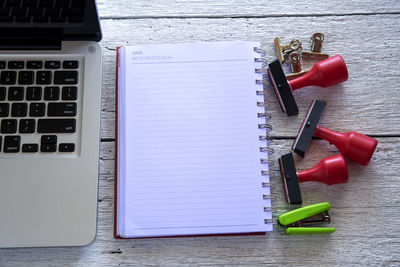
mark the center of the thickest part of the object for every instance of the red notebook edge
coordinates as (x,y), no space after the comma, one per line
(116,236)
(116,145)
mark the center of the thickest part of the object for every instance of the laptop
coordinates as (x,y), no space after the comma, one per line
(50,102)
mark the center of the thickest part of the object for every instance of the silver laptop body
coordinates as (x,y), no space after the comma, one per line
(49,174)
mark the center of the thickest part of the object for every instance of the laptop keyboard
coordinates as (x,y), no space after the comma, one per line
(39,106)
(42,11)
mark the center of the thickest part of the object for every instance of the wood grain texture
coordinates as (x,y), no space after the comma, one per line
(363,212)
(368,102)
(238,8)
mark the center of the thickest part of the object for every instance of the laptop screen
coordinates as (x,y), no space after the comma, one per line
(61,19)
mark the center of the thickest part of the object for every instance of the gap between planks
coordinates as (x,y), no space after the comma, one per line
(249,16)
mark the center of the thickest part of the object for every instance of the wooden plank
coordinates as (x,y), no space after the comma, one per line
(364,210)
(236,8)
(367,102)
(364,214)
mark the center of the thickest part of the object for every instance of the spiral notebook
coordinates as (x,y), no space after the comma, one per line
(192,155)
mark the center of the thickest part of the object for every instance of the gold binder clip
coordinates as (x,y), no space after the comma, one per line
(283,50)
(294,59)
(316,46)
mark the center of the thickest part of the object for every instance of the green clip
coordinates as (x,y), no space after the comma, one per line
(295,220)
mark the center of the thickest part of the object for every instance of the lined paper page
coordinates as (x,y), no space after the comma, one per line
(189,157)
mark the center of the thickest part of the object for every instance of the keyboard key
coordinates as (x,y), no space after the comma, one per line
(23,19)
(30,148)
(62,3)
(43,77)
(52,12)
(13,3)
(75,19)
(56,126)
(48,147)
(29,3)
(46,3)
(48,139)
(34,64)
(2,64)
(52,64)
(51,93)
(1,142)
(37,109)
(3,93)
(78,3)
(8,77)
(35,12)
(11,144)
(25,77)
(48,143)
(4,109)
(61,109)
(18,11)
(4,11)
(72,12)
(27,126)
(57,19)
(6,19)
(69,93)
(40,19)
(16,64)
(19,110)
(34,93)
(70,64)
(66,147)
(65,77)
(15,93)
(8,126)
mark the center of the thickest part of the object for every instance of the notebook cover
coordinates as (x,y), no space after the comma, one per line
(116,146)
(116,236)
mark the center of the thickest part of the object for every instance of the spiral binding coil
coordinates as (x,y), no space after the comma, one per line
(265,161)
(267,221)
(264,126)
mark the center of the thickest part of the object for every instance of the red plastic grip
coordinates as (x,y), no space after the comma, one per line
(330,170)
(325,73)
(355,146)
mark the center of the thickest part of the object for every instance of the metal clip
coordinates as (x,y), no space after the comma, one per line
(316,46)
(283,50)
(316,42)
(294,59)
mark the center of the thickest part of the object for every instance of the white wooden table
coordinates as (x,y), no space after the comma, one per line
(365,210)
